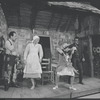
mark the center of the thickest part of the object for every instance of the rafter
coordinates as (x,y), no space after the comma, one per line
(61,16)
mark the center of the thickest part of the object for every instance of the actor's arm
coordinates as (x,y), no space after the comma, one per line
(83,59)
(40,53)
(9,46)
(26,52)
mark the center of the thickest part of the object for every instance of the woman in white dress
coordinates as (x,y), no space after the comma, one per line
(33,56)
(65,65)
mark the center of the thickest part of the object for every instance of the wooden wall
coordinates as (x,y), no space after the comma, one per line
(23,19)
(3,24)
(90,25)
(23,36)
(60,24)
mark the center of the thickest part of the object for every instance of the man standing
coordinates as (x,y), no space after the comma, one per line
(77,58)
(11,55)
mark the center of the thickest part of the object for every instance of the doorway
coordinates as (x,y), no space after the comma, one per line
(46,45)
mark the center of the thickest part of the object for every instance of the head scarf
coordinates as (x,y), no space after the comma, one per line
(35,37)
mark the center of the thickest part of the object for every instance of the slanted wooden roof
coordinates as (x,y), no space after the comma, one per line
(77,6)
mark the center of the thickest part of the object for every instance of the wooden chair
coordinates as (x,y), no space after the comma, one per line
(47,73)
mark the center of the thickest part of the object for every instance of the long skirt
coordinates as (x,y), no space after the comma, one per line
(32,75)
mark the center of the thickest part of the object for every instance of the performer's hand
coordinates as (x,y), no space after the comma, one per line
(40,60)
(17,55)
(76,71)
(24,61)
(83,59)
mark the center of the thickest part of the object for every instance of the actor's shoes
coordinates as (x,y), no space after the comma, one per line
(32,87)
(36,85)
(6,85)
(14,85)
(81,83)
(55,87)
(72,88)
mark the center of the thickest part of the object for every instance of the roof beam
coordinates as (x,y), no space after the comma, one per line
(61,16)
(52,16)
(77,6)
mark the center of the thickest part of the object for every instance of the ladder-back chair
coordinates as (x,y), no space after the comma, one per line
(47,73)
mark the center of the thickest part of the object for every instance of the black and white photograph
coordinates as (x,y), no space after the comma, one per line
(50,49)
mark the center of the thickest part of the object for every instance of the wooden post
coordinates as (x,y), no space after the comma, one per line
(91,56)
(90,46)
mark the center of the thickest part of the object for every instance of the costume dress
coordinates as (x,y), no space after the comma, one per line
(32,55)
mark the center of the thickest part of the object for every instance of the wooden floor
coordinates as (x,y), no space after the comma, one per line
(91,85)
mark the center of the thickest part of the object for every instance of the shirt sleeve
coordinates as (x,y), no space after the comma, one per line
(70,46)
(40,52)
(26,52)
(9,46)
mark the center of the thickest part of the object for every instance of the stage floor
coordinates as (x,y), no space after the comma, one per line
(91,85)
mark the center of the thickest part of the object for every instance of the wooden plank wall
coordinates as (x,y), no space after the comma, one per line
(90,26)
(3,24)
(60,26)
(25,15)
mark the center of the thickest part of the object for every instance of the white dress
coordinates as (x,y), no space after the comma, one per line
(32,55)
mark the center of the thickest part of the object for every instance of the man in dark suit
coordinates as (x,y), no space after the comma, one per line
(77,58)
